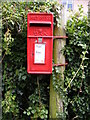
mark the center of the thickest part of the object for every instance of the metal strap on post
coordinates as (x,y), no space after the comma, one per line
(54,37)
(57,65)
(60,37)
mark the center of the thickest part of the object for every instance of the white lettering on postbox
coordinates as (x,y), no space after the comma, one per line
(41,18)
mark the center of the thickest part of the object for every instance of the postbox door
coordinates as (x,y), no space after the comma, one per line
(39,44)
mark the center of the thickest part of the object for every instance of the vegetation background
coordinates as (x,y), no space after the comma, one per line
(23,97)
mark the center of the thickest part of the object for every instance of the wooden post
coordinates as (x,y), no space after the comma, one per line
(56,104)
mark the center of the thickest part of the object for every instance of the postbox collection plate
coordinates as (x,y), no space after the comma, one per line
(39,43)
(39,53)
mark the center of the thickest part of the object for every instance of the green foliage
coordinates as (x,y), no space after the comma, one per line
(9,104)
(77,71)
(7,42)
(23,98)
(58,84)
(57,80)
(36,109)
(74,91)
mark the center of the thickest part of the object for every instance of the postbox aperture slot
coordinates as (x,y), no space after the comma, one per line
(40,23)
(39,53)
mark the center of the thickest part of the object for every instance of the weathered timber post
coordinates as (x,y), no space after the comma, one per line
(56,104)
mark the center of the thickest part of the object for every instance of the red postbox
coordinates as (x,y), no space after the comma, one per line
(39,43)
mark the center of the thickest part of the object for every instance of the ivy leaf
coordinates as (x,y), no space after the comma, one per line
(24,77)
(28,113)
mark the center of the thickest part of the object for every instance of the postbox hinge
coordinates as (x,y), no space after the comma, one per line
(57,65)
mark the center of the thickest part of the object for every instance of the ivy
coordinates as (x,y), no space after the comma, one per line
(24,97)
(77,71)
(74,87)
(58,84)
(7,42)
